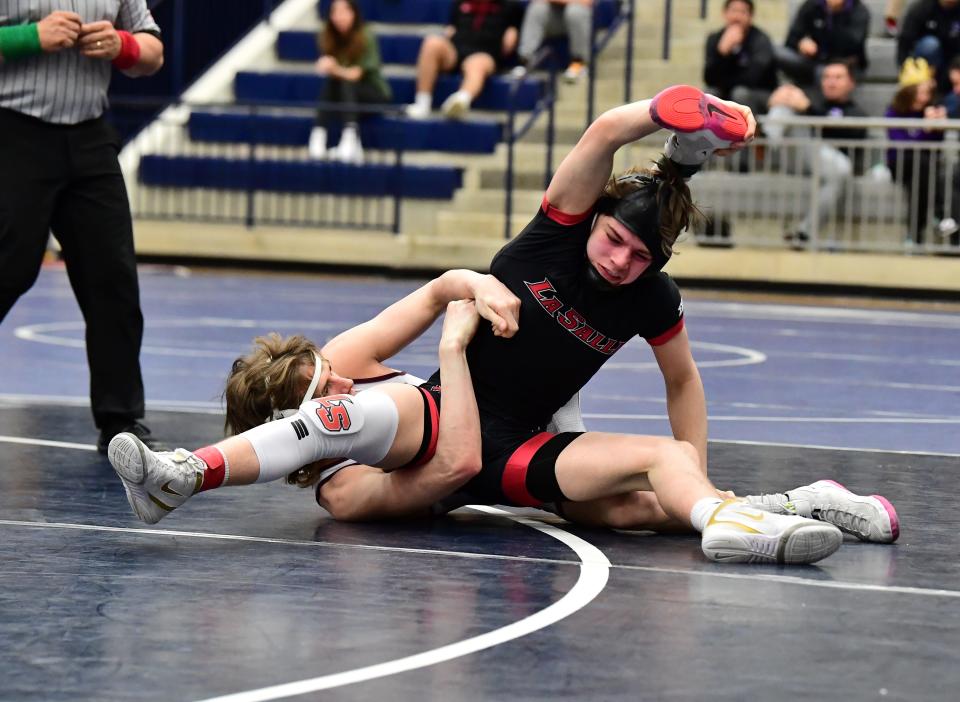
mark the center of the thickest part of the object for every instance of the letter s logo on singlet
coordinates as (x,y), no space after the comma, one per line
(333,413)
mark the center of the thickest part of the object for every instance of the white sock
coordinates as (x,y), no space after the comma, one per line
(318,140)
(466,96)
(702,511)
(423,100)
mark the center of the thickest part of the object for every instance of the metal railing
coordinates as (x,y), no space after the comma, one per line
(544,59)
(668,24)
(547,102)
(801,191)
(625,14)
(163,188)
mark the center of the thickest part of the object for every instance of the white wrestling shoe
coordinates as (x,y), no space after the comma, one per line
(700,123)
(869,518)
(156,483)
(740,533)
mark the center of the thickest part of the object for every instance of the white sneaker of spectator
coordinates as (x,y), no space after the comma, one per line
(420,107)
(349,150)
(574,71)
(947,226)
(457,105)
(317,147)
(518,72)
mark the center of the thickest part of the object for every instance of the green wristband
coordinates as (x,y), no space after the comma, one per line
(19,41)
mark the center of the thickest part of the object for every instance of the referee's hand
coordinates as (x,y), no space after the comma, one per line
(59,30)
(99,40)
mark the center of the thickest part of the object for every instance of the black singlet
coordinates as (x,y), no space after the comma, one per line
(568,329)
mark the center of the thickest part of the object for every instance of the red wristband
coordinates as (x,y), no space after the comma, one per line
(129,51)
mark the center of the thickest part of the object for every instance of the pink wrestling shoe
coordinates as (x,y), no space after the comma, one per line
(700,123)
(868,517)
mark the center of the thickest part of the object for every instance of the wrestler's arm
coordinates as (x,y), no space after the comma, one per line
(362,350)
(584,172)
(580,178)
(360,493)
(686,401)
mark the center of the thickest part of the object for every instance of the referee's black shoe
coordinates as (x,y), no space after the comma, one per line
(135,428)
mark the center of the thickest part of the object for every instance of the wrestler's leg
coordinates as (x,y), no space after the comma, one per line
(597,465)
(637,510)
(363,427)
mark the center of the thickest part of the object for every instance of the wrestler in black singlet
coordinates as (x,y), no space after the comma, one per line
(568,329)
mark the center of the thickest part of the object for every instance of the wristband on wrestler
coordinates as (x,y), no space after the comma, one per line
(129,51)
(20,41)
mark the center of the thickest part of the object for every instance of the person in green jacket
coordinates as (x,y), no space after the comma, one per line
(350,62)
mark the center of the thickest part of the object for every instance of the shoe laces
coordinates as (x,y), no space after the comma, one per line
(187,464)
(846,521)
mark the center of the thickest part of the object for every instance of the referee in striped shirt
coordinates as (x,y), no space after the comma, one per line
(59,172)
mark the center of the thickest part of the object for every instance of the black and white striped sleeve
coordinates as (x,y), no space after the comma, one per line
(134,16)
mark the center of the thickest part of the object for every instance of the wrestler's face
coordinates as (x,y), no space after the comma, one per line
(330,383)
(615,252)
(342,16)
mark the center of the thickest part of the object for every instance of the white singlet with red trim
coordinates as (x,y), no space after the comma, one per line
(361,426)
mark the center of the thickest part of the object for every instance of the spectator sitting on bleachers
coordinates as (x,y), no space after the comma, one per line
(550,18)
(931,30)
(822,30)
(952,99)
(350,60)
(835,165)
(739,63)
(916,98)
(481,34)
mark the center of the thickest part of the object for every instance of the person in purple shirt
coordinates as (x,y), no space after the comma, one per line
(917,168)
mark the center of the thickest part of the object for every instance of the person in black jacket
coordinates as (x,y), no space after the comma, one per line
(822,30)
(740,63)
(931,30)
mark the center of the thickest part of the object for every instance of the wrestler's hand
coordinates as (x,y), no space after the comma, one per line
(751,127)
(497,305)
(459,324)
(59,30)
(99,40)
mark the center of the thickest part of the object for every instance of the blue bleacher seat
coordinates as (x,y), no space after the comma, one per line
(399,49)
(438,11)
(376,132)
(372,180)
(304,88)
(394,48)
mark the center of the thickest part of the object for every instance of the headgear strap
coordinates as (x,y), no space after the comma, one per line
(314,381)
(639,211)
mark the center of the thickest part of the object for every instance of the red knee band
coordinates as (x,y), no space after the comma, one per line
(129,51)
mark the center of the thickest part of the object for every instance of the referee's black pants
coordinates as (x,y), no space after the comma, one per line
(67,179)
